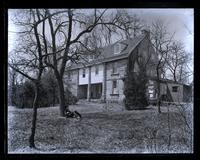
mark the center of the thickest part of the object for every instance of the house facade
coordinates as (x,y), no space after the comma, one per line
(103,76)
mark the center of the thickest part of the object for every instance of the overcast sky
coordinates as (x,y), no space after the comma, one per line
(180,21)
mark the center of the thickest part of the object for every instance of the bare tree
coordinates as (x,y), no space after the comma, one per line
(61,35)
(161,40)
(27,57)
(177,62)
(68,29)
(131,23)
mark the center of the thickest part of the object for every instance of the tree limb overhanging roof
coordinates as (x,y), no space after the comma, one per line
(107,53)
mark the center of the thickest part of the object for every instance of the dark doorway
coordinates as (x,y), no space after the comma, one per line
(96,91)
(82,91)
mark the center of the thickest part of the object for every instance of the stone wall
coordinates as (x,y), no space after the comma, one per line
(117,94)
(148,54)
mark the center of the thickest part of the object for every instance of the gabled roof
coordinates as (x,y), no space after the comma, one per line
(107,53)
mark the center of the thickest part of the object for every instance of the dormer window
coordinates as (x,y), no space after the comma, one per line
(117,48)
(93,56)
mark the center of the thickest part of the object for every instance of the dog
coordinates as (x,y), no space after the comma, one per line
(72,114)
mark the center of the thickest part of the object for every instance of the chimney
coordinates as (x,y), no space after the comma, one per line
(146,32)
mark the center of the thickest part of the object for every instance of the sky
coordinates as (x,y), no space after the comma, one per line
(180,21)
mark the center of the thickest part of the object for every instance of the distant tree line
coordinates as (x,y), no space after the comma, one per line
(22,94)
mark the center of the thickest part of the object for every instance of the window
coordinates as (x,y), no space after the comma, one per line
(136,67)
(114,84)
(114,67)
(96,69)
(117,48)
(150,91)
(151,95)
(139,59)
(114,88)
(83,75)
(150,87)
(174,88)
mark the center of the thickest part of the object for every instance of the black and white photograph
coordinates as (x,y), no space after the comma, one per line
(100,81)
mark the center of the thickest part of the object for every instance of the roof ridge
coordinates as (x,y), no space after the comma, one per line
(132,43)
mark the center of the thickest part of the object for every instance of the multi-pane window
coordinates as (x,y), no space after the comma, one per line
(96,69)
(114,87)
(151,90)
(114,84)
(175,89)
(114,67)
(151,93)
(83,75)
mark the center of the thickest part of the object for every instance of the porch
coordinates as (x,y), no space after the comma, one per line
(94,91)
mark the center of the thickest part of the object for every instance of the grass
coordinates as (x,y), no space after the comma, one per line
(99,131)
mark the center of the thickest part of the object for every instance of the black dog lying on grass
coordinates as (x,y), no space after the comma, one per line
(72,114)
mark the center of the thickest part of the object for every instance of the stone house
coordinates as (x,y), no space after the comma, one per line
(104,74)
(103,77)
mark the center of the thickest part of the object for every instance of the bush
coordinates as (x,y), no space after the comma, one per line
(23,94)
(49,85)
(135,91)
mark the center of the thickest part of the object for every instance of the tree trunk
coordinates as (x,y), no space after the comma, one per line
(158,100)
(63,104)
(169,128)
(158,87)
(174,75)
(54,96)
(33,128)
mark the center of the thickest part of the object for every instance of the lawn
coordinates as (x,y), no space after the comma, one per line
(101,131)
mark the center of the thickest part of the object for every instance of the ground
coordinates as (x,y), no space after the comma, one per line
(101,130)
